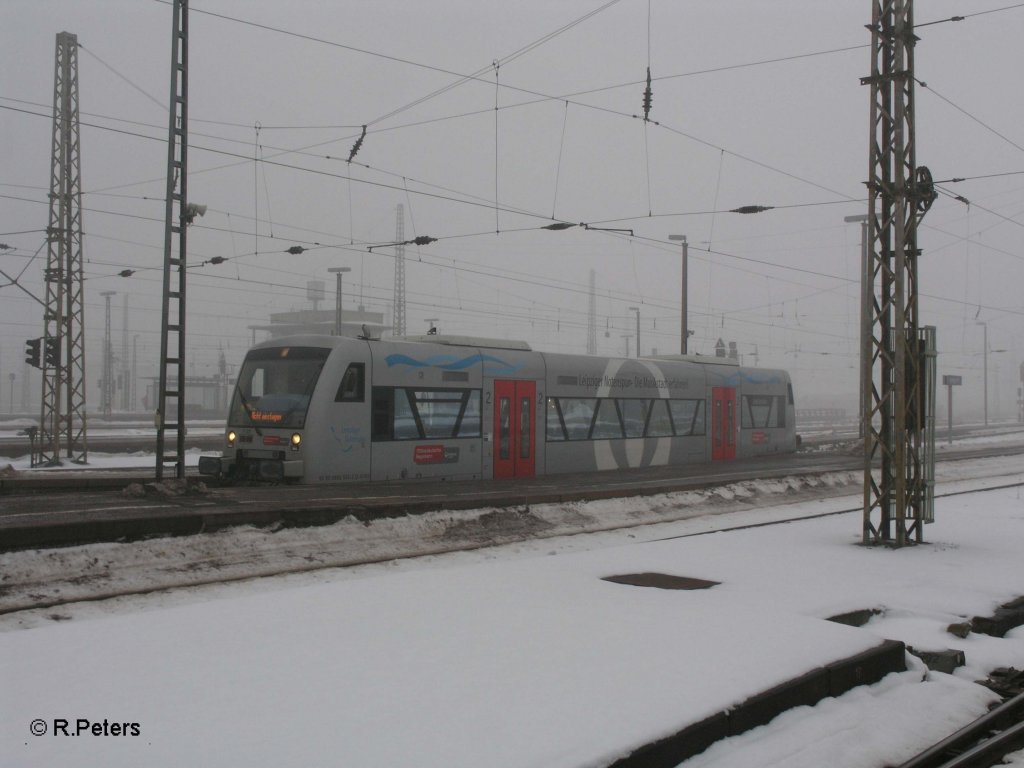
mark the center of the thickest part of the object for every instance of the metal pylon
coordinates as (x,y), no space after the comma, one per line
(897,364)
(398,319)
(170,415)
(63,415)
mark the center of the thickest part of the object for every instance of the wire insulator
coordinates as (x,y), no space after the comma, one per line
(648,96)
(357,145)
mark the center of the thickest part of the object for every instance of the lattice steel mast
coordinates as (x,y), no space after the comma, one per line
(398,317)
(177,216)
(63,358)
(897,363)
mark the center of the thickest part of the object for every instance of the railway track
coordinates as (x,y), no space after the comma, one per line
(981,744)
(274,551)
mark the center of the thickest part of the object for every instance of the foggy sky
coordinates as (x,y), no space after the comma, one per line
(753,104)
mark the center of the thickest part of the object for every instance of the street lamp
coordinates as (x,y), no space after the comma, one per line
(637,310)
(683,332)
(984,326)
(338,271)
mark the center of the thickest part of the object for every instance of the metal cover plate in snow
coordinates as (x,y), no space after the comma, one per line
(661,581)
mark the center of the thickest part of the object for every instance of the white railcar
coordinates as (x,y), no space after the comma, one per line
(327,409)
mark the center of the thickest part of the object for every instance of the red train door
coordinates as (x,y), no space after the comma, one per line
(723,423)
(514,432)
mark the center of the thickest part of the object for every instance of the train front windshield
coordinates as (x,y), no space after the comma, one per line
(275,385)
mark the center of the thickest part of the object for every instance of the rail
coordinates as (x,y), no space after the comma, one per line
(982,743)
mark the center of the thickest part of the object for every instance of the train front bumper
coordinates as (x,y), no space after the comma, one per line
(269,470)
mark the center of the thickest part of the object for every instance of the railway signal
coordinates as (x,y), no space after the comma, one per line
(32,352)
(53,352)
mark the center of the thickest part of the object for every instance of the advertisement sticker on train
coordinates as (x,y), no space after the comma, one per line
(435,454)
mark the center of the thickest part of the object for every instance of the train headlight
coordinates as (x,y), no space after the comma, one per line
(296,441)
(232,436)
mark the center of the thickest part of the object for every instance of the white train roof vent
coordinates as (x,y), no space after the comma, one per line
(468,341)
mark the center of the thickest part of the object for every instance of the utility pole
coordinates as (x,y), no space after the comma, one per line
(684,331)
(901,353)
(63,362)
(107,388)
(398,317)
(338,271)
(126,396)
(984,379)
(176,219)
(637,310)
(865,314)
(135,373)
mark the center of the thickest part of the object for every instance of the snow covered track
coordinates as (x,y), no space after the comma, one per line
(50,578)
(831,680)
(39,519)
(982,743)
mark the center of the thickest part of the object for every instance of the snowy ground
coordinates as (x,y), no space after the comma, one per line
(519,654)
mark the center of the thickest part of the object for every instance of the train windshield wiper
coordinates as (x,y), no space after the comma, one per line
(248,408)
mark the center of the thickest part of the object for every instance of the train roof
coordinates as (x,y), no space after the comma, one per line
(468,341)
(702,359)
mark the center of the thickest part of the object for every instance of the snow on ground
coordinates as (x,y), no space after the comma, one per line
(101,461)
(521,655)
(54,576)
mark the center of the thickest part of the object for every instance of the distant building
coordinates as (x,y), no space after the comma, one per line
(354,322)
(206,397)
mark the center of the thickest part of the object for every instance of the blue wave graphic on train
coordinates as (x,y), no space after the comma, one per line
(451,363)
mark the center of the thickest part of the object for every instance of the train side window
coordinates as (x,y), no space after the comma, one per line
(789,391)
(716,431)
(439,413)
(659,424)
(504,427)
(757,411)
(524,427)
(555,423)
(353,383)
(383,413)
(634,416)
(780,411)
(577,413)
(407,424)
(469,421)
(688,417)
(730,423)
(607,423)
(399,413)
(698,418)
